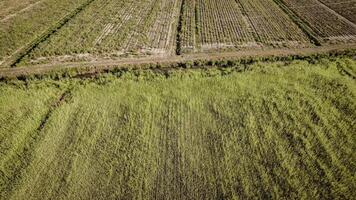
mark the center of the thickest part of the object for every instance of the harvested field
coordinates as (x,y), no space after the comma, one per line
(275,131)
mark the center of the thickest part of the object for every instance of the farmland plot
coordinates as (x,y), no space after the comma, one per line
(327,25)
(212,24)
(270,133)
(271,25)
(346,8)
(115,28)
(237,24)
(25,27)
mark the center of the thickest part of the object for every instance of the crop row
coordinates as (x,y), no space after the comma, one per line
(110,28)
(115,28)
(211,24)
(346,8)
(271,24)
(237,23)
(327,25)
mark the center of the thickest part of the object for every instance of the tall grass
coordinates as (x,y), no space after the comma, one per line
(277,131)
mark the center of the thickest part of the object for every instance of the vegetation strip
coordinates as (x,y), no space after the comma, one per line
(21,53)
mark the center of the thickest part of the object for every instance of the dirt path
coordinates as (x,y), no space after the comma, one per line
(20,11)
(109,64)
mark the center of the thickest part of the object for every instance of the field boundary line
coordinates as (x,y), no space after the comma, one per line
(102,65)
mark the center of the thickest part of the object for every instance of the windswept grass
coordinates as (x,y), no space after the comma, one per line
(281,131)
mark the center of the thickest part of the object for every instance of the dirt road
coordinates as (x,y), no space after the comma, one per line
(108,64)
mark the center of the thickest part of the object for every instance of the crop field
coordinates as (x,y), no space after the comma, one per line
(116,28)
(274,131)
(345,8)
(177,99)
(35,32)
(240,23)
(327,25)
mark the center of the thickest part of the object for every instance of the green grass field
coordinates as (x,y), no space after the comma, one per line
(276,130)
